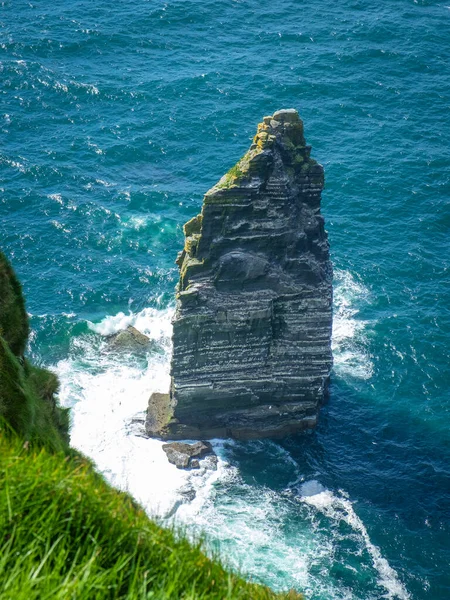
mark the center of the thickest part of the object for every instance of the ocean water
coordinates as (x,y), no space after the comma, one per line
(115,118)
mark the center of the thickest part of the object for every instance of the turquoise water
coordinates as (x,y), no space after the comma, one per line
(115,118)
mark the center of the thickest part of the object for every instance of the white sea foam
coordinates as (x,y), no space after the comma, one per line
(89,87)
(154,323)
(105,392)
(95,147)
(137,222)
(60,226)
(339,508)
(349,343)
(249,524)
(56,197)
(245,523)
(61,86)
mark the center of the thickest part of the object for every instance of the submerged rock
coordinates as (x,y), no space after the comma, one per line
(129,339)
(187,456)
(252,330)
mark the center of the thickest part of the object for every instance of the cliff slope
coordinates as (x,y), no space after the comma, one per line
(64,532)
(252,330)
(27,392)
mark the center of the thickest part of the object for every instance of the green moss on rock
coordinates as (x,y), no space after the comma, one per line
(232,176)
(193,226)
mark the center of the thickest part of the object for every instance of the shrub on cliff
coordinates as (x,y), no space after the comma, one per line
(27,401)
(27,393)
(13,316)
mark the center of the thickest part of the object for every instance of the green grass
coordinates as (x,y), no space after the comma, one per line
(66,534)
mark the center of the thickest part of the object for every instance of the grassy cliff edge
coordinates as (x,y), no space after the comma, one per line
(64,532)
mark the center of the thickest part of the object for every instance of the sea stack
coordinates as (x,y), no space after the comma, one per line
(252,329)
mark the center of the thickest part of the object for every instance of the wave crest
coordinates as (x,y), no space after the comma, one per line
(349,341)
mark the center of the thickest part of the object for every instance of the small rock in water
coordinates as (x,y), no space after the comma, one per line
(159,413)
(188,494)
(211,462)
(129,339)
(186,456)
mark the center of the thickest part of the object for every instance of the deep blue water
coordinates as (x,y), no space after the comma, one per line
(115,119)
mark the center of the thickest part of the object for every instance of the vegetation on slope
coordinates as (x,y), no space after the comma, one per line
(13,316)
(64,532)
(27,393)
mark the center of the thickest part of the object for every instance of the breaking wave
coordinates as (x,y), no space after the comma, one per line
(349,342)
(338,508)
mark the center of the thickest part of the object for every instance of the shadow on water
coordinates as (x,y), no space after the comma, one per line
(392,470)
(357,446)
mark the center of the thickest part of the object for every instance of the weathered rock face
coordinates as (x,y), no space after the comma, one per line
(252,331)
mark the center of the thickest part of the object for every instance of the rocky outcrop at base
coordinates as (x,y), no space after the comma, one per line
(129,339)
(187,456)
(252,330)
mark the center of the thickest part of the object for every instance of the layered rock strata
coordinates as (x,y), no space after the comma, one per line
(252,330)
